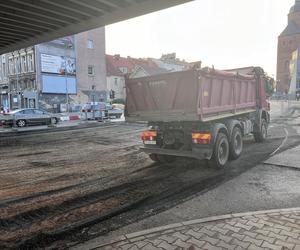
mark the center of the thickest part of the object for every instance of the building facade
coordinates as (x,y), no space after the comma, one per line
(288,42)
(91,66)
(18,80)
(55,73)
(115,79)
(295,73)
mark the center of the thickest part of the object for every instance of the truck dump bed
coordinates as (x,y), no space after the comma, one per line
(193,95)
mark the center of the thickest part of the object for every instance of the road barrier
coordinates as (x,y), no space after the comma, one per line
(70,118)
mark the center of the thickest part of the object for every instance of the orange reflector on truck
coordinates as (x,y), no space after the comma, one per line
(198,138)
(149,136)
(149,133)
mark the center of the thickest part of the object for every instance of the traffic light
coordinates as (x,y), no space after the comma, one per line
(112,94)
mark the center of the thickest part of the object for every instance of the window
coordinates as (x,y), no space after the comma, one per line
(30,61)
(22,85)
(23,63)
(91,70)
(11,66)
(90,44)
(1,69)
(124,70)
(17,64)
(38,112)
(4,71)
(287,64)
(116,81)
(28,112)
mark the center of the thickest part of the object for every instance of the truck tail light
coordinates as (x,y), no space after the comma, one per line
(202,139)
(149,137)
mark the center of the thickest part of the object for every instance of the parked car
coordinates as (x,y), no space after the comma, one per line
(27,117)
(114,113)
(95,111)
(278,96)
(118,106)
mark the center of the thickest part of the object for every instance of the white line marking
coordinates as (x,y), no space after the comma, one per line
(283,142)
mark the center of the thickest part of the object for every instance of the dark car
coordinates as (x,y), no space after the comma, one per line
(26,117)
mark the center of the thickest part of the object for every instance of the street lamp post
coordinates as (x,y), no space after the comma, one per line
(66,80)
(93,100)
(17,75)
(66,76)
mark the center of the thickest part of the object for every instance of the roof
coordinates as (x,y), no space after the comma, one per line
(170,66)
(114,63)
(117,62)
(152,70)
(148,67)
(243,70)
(296,7)
(111,70)
(291,29)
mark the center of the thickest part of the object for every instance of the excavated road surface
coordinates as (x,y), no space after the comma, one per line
(64,187)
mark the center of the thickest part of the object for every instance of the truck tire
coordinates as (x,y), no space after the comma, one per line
(221,151)
(236,144)
(162,158)
(261,136)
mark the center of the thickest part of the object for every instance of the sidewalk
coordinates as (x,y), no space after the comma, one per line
(273,229)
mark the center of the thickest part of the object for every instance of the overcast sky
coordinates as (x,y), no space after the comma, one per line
(223,33)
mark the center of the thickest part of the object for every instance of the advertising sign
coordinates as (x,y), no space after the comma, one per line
(54,84)
(58,64)
(67,41)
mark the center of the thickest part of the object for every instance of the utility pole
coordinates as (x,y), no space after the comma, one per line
(17,74)
(93,99)
(66,77)
(67,90)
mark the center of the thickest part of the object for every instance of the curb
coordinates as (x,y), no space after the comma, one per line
(130,237)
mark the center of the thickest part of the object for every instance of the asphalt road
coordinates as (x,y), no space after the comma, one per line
(61,188)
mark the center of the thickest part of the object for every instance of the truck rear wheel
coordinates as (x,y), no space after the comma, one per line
(162,158)
(261,136)
(236,144)
(221,151)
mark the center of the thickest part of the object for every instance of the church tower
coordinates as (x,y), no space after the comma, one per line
(288,42)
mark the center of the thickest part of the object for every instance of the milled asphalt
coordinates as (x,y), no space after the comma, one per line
(270,185)
(289,158)
(261,188)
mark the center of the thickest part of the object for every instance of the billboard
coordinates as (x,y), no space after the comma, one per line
(58,64)
(66,42)
(59,84)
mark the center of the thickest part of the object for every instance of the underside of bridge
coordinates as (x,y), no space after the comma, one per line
(27,22)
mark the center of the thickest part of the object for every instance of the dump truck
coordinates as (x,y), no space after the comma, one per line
(200,113)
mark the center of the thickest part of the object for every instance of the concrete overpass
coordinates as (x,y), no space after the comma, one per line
(27,22)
